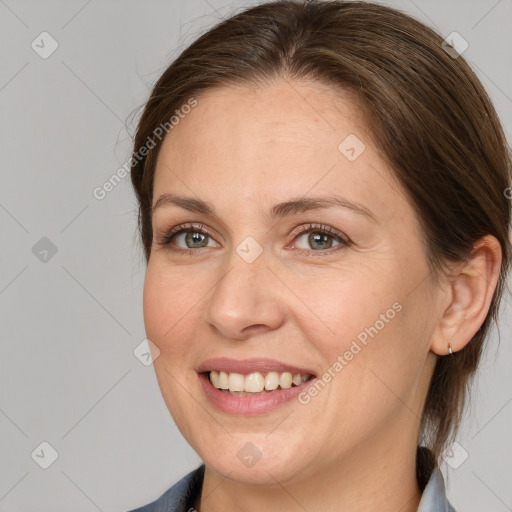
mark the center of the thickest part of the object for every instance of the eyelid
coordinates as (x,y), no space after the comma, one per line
(167,235)
(304,228)
(188,226)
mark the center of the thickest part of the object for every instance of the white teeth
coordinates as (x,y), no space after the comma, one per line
(271,381)
(214,377)
(223,381)
(236,382)
(255,382)
(285,380)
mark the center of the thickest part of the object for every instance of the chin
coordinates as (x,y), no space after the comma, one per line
(249,459)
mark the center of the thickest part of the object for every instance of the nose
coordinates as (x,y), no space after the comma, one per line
(247,300)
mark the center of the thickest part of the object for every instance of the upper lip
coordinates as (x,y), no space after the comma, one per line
(246,366)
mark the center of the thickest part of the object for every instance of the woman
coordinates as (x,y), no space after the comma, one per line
(326,227)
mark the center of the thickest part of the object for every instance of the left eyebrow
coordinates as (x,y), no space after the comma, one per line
(278,211)
(316,203)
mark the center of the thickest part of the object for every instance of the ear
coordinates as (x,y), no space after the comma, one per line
(470,292)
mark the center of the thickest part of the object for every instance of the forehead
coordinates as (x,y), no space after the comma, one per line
(284,113)
(273,142)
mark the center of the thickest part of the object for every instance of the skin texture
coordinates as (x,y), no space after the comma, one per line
(353,446)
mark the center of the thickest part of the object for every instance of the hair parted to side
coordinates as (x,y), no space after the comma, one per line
(428,114)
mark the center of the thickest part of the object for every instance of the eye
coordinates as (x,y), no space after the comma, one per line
(194,236)
(319,239)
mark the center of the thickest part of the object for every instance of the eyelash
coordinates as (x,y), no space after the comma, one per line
(316,228)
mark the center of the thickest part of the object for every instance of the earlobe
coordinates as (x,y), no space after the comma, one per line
(471,290)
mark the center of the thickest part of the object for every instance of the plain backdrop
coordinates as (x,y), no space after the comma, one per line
(71,267)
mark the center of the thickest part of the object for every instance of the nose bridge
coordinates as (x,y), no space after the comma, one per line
(246,294)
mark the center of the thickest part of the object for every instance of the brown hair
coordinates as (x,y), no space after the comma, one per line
(429,115)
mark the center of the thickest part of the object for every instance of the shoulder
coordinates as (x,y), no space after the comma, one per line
(180,496)
(434,497)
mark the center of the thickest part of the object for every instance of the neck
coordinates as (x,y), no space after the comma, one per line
(380,475)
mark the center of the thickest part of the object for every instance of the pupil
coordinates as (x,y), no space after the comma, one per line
(315,238)
(195,238)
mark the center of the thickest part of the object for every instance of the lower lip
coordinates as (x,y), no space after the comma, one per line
(249,405)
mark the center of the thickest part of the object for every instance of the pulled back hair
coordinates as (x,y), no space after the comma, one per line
(429,117)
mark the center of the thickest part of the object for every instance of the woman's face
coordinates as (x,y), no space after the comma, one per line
(264,285)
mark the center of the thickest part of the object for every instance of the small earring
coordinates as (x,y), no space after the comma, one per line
(450,349)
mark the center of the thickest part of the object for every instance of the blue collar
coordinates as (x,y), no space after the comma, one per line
(434,498)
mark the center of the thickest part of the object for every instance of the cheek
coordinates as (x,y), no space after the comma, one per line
(355,308)
(167,309)
(383,342)
(366,327)
(167,313)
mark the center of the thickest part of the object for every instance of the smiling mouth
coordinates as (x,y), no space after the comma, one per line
(256,383)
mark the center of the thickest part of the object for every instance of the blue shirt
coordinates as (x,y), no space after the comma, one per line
(182,495)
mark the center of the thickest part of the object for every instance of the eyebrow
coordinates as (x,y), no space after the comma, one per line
(278,211)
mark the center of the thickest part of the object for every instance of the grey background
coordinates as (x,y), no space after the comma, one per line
(70,324)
